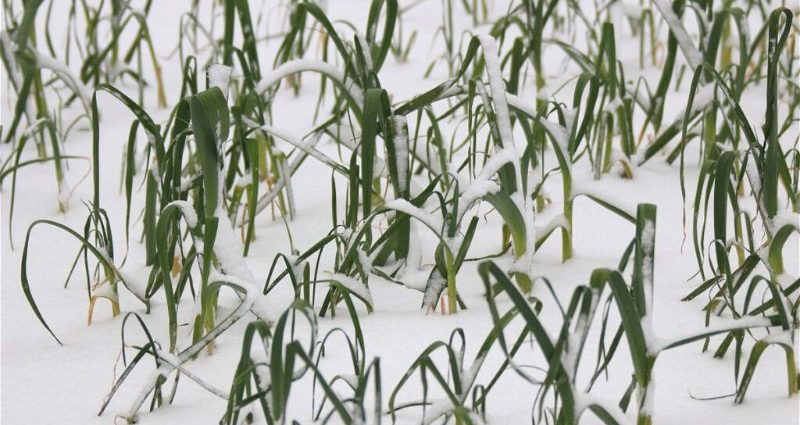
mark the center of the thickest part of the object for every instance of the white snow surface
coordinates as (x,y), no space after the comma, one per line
(44,383)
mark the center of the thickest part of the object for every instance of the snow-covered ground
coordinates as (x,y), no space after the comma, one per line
(44,383)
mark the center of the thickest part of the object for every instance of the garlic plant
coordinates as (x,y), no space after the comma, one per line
(501,142)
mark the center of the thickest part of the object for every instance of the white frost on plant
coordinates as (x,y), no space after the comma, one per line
(308,147)
(228,249)
(105,290)
(599,192)
(693,55)
(753,177)
(284,165)
(524,261)
(352,285)
(559,221)
(176,363)
(297,266)
(632,9)
(437,409)
(498,88)
(570,115)
(785,218)
(155,175)
(702,98)
(362,41)
(611,107)
(414,255)
(575,339)
(133,283)
(14,76)
(431,221)
(400,145)
(543,94)
(364,261)
(648,237)
(659,344)
(187,209)
(65,74)
(428,153)
(647,400)
(228,252)
(477,190)
(632,90)
(300,65)
(501,100)
(557,131)
(784,338)
(263,377)
(244,180)
(220,76)
(483,184)
(351,380)
(166,368)
(64,192)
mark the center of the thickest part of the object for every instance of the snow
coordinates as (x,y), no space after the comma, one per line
(244,180)
(220,76)
(228,251)
(400,144)
(301,65)
(648,245)
(64,193)
(263,377)
(786,218)
(498,88)
(611,107)
(74,379)
(632,9)
(692,54)
(134,282)
(597,190)
(62,71)
(352,285)
(15,77)
(703,98)
(188,212)
(104,290)
(431,221)
(167,367)
(365,49)
(656,344)
(556,222)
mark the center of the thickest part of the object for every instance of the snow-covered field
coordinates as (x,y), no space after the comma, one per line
(47,383)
